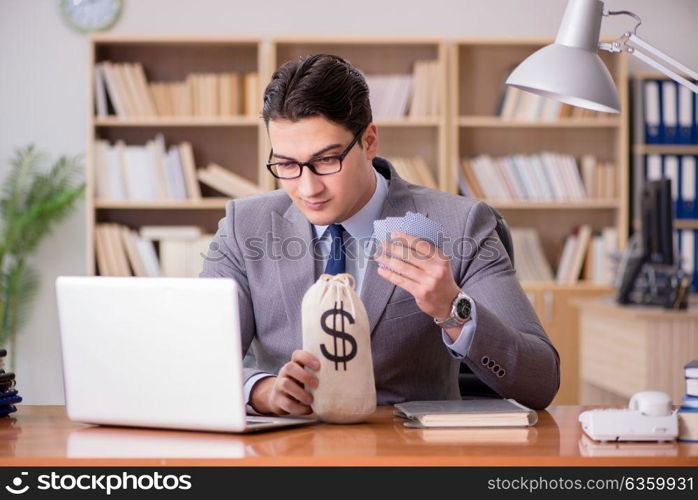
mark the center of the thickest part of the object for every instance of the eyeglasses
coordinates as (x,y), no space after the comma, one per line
(325,165)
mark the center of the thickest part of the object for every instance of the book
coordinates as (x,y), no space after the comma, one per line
(466,413)
(689,401)
(184,257)
(101,106)
(147,255)
(227,182)
(692,386)
(128,240)
(186,155)
(170,232)
(691,369)
(531,263)
(103,261)
(581,247)
(114,90)
(426,90)
(252,98)
(688,424)
(565,265)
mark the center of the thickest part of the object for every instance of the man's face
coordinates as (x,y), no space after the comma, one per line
(332,198)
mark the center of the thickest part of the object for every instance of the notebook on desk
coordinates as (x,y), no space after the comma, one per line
(466,413)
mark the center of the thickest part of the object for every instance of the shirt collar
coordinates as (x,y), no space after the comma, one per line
(360,225)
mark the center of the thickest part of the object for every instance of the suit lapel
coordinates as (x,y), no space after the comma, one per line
(376,290)
(295,264)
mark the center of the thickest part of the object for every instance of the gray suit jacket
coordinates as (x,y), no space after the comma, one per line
(264,243)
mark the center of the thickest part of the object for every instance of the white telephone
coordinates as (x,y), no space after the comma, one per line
(649,417)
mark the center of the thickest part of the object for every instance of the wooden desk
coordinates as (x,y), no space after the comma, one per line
(627,349)
(42,435)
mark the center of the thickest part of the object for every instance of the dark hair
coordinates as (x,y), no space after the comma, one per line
(319,85)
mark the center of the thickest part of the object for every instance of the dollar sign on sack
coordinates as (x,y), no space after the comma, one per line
(339,335)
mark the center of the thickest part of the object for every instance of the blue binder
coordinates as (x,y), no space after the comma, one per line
(670,112)
(686,115)
(652,101)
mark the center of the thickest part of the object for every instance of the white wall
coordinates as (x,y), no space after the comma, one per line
(43,66)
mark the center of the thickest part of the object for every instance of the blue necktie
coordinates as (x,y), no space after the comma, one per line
(337,262)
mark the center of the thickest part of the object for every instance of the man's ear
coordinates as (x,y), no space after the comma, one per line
(370,141)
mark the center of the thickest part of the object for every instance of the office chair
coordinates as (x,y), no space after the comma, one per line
(468,382)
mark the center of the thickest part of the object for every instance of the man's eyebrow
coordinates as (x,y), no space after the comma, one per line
(315,154)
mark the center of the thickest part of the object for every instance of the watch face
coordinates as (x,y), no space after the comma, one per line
(463,308)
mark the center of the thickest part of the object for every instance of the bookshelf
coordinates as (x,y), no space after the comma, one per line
(653,157)
(470,76)
(234,142)
(408,136)
(477,70)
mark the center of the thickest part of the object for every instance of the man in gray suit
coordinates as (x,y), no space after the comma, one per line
(429,309)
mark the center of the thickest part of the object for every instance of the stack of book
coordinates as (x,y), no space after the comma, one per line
(531,264)
(426,93)
(122,251)
(155,172)
(688,413)
(518,105)
(8,395)
(543,177)
(389,95)
(122,89)
(588,254)
(414,170)
(399,95)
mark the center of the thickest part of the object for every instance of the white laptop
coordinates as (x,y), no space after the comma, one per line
(155,352)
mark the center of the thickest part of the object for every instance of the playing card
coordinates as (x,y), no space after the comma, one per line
(412,223)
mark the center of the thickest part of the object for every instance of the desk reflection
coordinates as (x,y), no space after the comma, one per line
(590,448)
(119,442)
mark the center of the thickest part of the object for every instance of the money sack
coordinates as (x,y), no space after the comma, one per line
(336,331)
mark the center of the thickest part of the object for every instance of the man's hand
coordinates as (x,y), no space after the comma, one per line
(420,268)
(285,394)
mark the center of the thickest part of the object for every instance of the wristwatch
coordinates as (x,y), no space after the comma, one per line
(460,312)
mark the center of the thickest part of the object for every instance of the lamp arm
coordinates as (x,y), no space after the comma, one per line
(649,54)
(636,46)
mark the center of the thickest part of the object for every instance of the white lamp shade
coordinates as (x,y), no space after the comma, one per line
(572,75)
(570,70)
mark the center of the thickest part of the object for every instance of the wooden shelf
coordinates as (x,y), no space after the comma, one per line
(203,204)
(665,149)
(681,223)
(497,122)
(554,205)
(175,121)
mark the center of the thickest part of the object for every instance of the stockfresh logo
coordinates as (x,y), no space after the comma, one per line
(18,487)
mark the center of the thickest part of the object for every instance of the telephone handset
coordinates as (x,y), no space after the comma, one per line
(651,403)
(649,417)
